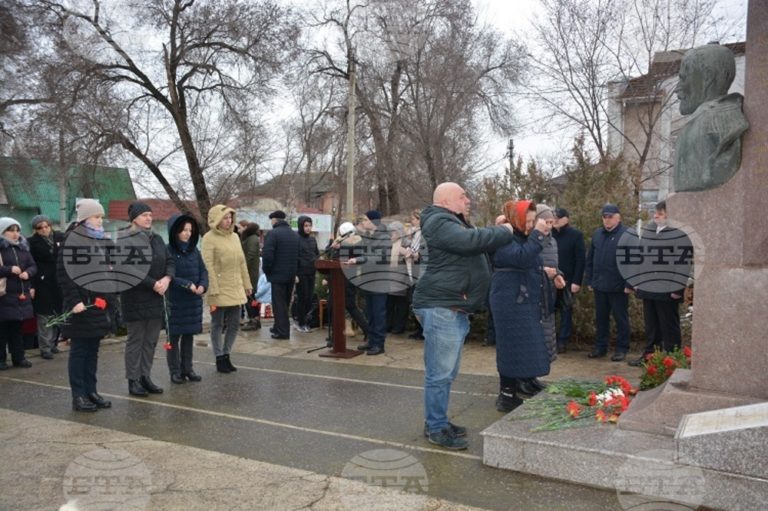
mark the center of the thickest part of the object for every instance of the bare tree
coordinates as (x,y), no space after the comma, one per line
(188,77)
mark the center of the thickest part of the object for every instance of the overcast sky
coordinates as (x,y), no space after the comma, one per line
(514,17)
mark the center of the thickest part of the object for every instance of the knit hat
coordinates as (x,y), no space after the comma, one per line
(544,212)
(86,208)
(137,208)
(373,215)
(610,209)
(280,215)
(6,222)
(38,219)
(562,213)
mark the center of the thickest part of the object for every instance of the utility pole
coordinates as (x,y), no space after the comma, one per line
(511,154)
(350,202)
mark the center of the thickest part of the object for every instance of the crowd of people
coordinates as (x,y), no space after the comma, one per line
(524,270)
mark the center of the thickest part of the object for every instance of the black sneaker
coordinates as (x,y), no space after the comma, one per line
(458,431)
(506,402)
(445,438)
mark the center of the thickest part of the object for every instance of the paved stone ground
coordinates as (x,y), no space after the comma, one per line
(287,431)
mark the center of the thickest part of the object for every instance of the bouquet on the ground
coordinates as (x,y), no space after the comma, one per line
(63,319)
(569,402)
(660,365)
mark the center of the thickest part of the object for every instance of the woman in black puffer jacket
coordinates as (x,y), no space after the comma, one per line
(92,312)
(18,268)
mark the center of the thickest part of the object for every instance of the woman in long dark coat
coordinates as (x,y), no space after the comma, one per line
(18,268)
(92,314)
(44,247)
(516,293)
(185,316)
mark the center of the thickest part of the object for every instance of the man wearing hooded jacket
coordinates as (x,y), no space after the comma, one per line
(305,288)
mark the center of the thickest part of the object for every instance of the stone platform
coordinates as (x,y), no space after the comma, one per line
(646,470)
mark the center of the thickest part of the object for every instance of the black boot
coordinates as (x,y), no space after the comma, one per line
(537,383)
(221,365)
(229,363)
(192,376)
(135,389)
(99,401)
(526,389)
(82,404)
(177,378)
(507,400)
(147,383)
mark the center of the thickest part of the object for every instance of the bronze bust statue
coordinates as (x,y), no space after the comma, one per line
(709,146)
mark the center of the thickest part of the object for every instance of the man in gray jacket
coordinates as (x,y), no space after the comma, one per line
(454,284)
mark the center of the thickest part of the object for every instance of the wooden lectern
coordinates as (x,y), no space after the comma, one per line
(332,268)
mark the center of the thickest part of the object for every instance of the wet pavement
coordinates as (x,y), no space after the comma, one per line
(288,408)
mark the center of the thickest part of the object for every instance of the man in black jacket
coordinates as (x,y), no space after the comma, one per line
(661,310)
(305,288)
(571,257)
(611,290)
(455,283)
(280,261)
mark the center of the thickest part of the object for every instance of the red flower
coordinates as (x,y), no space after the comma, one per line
(687,351)
(669,362)
(573,408)
(592,400)
(255,304)
(651,370)
(167,346)
(100,303)
(22,297)
(600,416)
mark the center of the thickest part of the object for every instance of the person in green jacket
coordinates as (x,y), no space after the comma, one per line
(251,242)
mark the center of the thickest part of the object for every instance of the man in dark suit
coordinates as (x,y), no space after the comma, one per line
(280,261)
(571,258)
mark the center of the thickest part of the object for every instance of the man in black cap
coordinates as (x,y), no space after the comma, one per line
(571,257)
(611,290)
(280,260)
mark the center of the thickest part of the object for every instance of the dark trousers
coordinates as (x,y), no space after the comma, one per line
(662,325)
(10,336)
(251,312)
(350,305)
(179,357)
(83,362)
(305,289)
(376,312)
(397,313)
(281,300)
(616,304)
(566,324)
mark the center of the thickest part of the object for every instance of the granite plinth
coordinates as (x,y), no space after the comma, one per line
(732,440)
(644,469)
(660,410)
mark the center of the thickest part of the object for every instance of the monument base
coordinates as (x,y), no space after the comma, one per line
(660,410)
(647,471)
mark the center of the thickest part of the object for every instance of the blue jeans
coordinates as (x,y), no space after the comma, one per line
(444,333)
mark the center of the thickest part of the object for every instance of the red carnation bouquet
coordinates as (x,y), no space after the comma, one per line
(63,319)
(660,365)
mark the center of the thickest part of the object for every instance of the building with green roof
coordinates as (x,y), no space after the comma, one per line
(33,187)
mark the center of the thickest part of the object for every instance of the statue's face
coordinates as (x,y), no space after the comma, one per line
(690,87)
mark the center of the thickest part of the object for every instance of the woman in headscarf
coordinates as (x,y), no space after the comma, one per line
(18,268)
(516,290)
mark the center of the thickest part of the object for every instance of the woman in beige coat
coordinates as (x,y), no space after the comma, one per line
(229,283)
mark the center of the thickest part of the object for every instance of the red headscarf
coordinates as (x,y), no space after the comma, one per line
(516,212)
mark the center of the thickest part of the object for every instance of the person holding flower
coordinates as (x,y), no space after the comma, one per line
(185,296)
(88,317)
(18,268)
(143,306)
